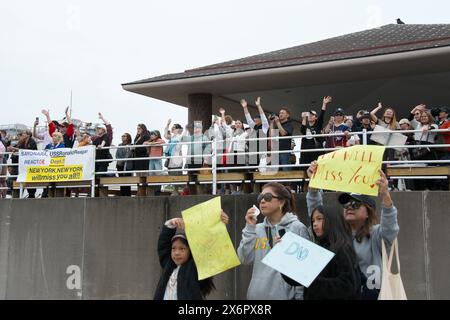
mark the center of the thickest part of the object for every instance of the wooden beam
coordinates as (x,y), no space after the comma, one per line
(280,175)
(167,179)
(232,176)
(421,171)
(121,180)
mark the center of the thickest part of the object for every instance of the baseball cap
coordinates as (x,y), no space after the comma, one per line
(179,234)
(339,111)
(347,197)
(365,114)
(313,112)
(404,120)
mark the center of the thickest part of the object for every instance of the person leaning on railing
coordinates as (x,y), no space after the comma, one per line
(155,149)
(102,154)
(336,125)
(66,128)
(124,165)
(3,169)
(25,142)
(174,148)
(259,129)
(311,125)
(142,135)
(196,151)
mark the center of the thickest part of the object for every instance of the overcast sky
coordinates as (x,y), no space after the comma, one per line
(50,47)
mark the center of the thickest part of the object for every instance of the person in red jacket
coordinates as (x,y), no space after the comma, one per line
(66,128)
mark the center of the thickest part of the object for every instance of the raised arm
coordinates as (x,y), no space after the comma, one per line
(374,111)
(109,130)
(51,125)
(248,117)
(326,100)
(167,133)
(264,121)
(68,118)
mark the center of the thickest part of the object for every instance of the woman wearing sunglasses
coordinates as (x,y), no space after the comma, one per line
(277,205)
(360,213)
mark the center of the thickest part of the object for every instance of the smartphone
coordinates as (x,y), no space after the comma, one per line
(37,120)
(281,232)
(350,117)
(305,114)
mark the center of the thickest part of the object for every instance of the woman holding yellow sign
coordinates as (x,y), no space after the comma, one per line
(360,213)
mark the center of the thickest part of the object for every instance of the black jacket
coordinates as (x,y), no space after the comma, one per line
(339,280)
(188,285)
(316,128)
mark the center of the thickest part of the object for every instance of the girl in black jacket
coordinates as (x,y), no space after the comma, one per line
(341,278)
(179,278)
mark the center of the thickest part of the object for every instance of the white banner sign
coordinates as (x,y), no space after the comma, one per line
(57,165)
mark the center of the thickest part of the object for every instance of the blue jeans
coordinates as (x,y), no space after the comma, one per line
(284,160)
(155,165)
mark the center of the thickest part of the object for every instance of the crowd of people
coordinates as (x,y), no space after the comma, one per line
(237,141)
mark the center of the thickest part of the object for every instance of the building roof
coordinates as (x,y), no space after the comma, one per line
(384,40)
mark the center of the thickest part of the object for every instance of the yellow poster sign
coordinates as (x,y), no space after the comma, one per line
(354,169)
(208,238)
(54,173)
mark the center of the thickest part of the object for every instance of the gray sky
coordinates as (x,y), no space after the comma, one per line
(50,47)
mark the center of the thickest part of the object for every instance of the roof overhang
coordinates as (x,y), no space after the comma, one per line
(349,70)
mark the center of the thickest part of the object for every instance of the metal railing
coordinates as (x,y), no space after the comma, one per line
(213,163)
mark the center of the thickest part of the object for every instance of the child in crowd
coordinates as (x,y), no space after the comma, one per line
(179,279)
(341,278)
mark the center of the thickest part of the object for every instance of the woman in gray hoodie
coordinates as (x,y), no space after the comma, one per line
(276,203)
(360,213)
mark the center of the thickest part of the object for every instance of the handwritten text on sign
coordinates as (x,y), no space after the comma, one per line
(298,258)
(208,238)
(354,169)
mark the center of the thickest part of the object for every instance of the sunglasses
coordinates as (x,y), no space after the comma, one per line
(267,197)
(352,205)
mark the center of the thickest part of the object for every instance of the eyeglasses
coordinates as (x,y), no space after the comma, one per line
(352,205)
(267,197)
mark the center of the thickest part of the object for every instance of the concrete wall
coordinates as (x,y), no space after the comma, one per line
(113,243)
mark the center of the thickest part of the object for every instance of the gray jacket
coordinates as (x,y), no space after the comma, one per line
(267,283)
(368,251)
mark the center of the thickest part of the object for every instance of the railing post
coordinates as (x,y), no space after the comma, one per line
(214,166)
(364,136)
(93,180)
(20,190)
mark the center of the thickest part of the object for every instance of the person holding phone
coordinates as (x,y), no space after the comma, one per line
(277,205)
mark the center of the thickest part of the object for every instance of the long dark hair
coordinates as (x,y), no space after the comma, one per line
(336,231)
(284,193)
(144,132)
(129,141)
(206,285)
(372,219)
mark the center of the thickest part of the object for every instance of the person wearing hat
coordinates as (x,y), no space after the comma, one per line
(101,141)
(155,150)
(361,122)
(66,128)
(179,278)
(311,125)
(367,231)
(174,148)
(337,125)
(259,129)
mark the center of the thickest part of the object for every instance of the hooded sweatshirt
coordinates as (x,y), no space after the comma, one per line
(368,251)
(267,283)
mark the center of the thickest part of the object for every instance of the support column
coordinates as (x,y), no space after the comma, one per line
(199,109)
